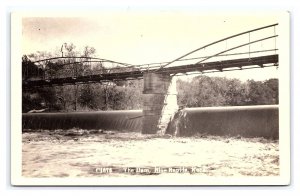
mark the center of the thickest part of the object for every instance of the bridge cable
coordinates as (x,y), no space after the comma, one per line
(237,47)
(249,45)
(236,35)
(202,57)
(275,38)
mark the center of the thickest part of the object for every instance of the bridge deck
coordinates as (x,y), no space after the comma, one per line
(217,65)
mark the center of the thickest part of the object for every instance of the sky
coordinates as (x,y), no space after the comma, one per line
(143,36)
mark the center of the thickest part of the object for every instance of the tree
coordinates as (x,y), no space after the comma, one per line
(41,98)
(89,51)
(87,97)
(236,92)
(216,91)
(133,94)
(272,90)
(30,70)
(206,92)
(36,98)
(79,69)
(257,94)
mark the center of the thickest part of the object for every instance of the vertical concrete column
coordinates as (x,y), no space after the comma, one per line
(170,106)
(155,102)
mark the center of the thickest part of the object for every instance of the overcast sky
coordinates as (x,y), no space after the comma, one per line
(143,36)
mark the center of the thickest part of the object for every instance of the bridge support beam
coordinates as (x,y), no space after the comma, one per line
(159,102)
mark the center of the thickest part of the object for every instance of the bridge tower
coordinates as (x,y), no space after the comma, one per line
(159,102)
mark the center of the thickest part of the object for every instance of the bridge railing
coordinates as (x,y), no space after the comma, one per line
(73,67)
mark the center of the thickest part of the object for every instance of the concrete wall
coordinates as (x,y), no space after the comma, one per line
(246,121)
(159,102)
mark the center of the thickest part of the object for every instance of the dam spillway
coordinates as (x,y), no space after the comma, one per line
(245,121)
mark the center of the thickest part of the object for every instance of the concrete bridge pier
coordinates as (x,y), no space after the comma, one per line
(159,102)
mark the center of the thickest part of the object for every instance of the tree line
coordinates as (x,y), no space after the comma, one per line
(125,95)
(219,91)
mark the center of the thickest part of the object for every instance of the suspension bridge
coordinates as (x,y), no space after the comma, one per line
(255,48)
(80,70)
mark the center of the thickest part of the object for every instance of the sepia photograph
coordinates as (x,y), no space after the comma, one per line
(150,97)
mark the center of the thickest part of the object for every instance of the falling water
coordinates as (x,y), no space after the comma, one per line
(106,120)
